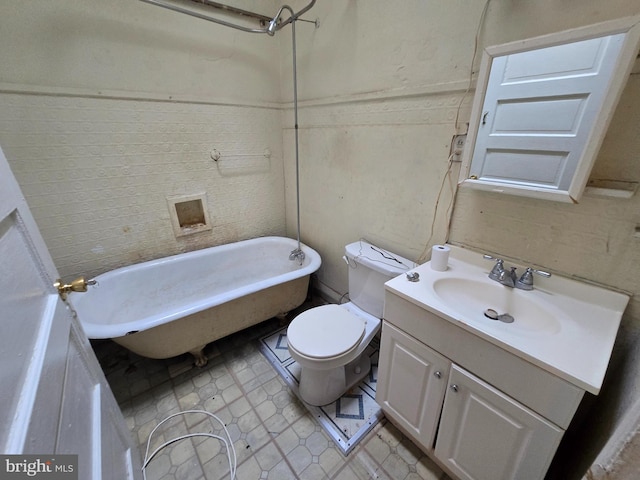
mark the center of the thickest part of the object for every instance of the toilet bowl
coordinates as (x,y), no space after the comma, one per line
(329,343)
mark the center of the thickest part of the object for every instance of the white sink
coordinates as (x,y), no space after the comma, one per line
(472,298)
(564,326)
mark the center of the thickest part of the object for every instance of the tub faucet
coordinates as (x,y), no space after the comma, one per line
(297,254)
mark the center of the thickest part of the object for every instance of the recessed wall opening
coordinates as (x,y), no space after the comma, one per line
(189,214)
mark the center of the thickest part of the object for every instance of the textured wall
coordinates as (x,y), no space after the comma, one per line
(107,110)
(372,170)
(97,174)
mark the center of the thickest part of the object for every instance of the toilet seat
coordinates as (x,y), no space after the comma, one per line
(325,332)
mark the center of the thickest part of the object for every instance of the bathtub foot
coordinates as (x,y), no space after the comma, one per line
(200,357)
(282,318)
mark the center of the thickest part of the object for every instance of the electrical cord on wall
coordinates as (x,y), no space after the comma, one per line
(473,61)
(427,249)
(231,452)
(423,255)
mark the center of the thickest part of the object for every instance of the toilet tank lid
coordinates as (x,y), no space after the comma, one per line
(378,258)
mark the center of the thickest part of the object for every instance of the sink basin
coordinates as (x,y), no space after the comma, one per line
(471,298)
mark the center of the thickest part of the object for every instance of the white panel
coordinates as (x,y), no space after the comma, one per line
(408,378)
(408,388)
(43,425)
(480,423)
(24,301)
(482,420)
(77,434)
(568,60)
(543,168)
(531,116)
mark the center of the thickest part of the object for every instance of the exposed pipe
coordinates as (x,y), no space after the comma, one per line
(235,10)
(296,254)
(294,16)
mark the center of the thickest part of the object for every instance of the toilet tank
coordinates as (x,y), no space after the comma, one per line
(369,268)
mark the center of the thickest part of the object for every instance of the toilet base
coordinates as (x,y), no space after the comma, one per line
(322,387)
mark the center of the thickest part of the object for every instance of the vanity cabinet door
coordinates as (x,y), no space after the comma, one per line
(486,435)
(412,380)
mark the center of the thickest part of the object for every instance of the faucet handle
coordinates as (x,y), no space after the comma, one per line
(525,282)
(497,269)
(537,272)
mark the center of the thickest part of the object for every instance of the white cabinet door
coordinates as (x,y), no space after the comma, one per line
(486,435)
(412,380)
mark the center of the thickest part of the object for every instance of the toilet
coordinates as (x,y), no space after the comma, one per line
(329,341)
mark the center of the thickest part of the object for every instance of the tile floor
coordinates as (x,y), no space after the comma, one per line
(274,436)
(353,415)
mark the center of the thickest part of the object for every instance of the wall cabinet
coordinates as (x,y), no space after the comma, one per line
(542,108)
(438,384)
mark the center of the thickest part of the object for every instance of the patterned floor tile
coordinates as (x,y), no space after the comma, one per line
(274,435)
(349,418)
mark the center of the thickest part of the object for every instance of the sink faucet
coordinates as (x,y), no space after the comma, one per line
(500,275)
(510,278)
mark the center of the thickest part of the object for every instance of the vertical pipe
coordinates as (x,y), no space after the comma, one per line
(296,254)
(295,120)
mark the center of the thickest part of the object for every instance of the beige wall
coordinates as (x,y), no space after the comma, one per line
(380,83)
(106,111)
(129,47)
(97,174)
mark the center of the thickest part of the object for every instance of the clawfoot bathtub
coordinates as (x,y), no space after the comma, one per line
(170,306)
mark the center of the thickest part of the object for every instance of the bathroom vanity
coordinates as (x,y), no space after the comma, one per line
(486,399)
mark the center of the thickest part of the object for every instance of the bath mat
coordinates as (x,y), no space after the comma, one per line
(348,419)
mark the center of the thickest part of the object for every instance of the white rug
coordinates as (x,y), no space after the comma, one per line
(349,418)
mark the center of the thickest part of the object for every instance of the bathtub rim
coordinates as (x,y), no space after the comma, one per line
(96,331)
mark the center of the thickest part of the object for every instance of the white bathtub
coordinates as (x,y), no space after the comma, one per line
(166,307)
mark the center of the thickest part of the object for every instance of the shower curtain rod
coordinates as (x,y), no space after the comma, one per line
(231,9)
(210,3)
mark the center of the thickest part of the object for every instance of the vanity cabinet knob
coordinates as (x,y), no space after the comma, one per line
(437,374)
(454,387)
